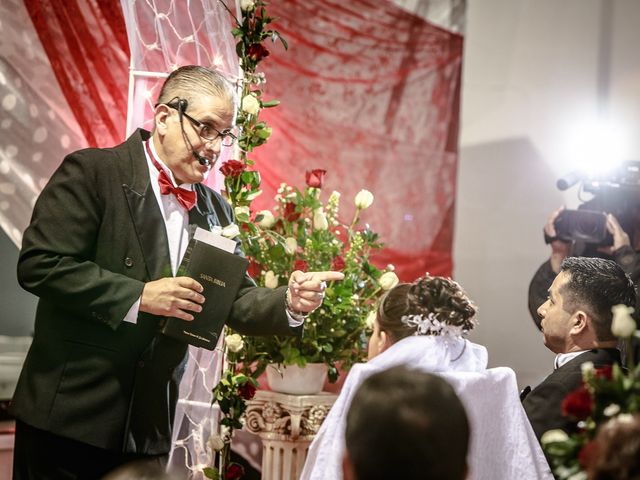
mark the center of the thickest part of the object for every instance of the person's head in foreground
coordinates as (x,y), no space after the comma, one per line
(428,306)
(617,450)
(406,423)
(577,314)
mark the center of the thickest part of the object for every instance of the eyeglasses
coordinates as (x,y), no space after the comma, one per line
(207,132)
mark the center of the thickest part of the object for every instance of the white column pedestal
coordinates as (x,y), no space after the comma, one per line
(286,424)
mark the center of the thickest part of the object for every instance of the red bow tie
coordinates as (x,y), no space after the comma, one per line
(186,198)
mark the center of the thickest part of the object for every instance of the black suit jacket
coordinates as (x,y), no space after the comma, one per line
(544,403)
(95,238)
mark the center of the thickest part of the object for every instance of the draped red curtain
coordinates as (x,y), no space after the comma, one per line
(86,43)
(369,92)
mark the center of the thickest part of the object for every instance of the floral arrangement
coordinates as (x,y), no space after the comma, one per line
(607,395)
(242,185)
(303,233)
(231,394)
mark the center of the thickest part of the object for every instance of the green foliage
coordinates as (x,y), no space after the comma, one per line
(303,233)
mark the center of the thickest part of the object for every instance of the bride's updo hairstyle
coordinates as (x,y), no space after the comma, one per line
(428,306)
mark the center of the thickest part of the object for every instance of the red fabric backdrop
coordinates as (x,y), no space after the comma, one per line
(369,92)
(86,42)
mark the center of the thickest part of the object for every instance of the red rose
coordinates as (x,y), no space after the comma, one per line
(338,264)
(254,269)
(233,168)
(290,213)
(257,52)
(234,471)
(247,391)
(577,404)
(587,453)
(301,265)
(315,177)
(604,372)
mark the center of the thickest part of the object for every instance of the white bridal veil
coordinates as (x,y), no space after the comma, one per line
(503,445)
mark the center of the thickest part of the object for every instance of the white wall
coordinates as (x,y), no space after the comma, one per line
(532,70)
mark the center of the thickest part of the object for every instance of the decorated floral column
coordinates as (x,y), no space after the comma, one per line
(286,424)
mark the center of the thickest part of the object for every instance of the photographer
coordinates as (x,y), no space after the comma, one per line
(624,227)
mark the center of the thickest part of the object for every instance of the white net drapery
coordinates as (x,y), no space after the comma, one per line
(164,35)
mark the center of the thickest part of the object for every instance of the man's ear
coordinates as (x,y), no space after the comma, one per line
(161,115)
(581,322)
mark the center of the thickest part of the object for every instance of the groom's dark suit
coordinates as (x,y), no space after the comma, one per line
(543,404)
(95,238)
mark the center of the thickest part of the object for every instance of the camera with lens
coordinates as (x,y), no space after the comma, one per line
(616,192)
(587,226)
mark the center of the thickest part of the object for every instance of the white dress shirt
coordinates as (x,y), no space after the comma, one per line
(563,358)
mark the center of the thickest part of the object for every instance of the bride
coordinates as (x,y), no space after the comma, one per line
(422,325)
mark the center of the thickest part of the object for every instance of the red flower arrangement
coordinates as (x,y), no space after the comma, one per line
(608,396)
(303,232)
(578,404)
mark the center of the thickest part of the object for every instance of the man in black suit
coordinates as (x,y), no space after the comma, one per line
(576,324)
(100,383)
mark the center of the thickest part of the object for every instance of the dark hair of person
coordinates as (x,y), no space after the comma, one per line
(617,451)
(438,295)
(406,423)
(595,285)
(192,81)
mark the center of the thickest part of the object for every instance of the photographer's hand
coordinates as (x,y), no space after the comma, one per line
(559,248)
(620,237)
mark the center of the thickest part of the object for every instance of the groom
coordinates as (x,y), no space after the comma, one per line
(576,324)
(100,383)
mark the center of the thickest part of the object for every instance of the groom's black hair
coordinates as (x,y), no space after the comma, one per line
(406,423)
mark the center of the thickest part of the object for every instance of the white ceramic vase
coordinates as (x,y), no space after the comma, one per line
(295,380)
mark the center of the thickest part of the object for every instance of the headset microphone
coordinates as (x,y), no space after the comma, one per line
(201,160)
(182,106)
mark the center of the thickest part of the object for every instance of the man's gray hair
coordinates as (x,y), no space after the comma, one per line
(192,81)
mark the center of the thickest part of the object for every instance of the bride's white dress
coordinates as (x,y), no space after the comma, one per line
(503,445)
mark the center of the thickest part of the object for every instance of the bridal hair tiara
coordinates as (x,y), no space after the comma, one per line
(430,325)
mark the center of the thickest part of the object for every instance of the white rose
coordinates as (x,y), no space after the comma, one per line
(320,220)
(250,104)
(231,231)
(623,325)
(364,199)
(291,245)
(268,220)
(388,280)
(625,418)
(611,410)
(216,443)
(587,368)
(552,436)
(247,5)
(234,343)
(242,210)
(270,279)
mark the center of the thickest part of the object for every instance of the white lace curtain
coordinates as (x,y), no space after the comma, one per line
(164,35)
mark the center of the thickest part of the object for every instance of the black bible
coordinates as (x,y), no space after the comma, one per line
(220,273)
